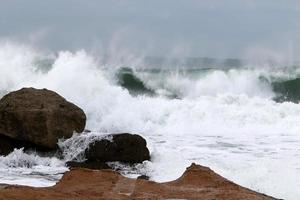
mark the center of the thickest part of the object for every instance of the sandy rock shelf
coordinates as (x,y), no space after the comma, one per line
(197,182)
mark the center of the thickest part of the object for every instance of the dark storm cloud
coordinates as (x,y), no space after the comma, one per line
(226,28)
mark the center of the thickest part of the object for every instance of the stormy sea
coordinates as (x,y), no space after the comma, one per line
(241,119)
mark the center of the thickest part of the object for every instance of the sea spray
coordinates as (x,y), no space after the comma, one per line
(73,149)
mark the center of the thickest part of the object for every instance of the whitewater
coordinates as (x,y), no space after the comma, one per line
(226,119)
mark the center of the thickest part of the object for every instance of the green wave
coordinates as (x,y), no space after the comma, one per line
(287,90)
(128,80)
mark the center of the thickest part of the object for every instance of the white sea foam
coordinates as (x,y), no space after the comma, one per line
(224,119)
(30,169)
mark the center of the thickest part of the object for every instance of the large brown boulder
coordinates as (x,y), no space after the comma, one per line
(39,116)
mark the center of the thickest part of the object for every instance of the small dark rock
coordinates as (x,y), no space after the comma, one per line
(144,177)
(124,147)
(88,165)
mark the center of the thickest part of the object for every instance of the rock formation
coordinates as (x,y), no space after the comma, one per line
(125,147)
(39,117)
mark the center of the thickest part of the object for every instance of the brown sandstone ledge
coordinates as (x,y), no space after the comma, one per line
(199,183)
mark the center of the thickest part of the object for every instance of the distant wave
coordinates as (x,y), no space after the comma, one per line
(197,82)
(127,79)
(287,90)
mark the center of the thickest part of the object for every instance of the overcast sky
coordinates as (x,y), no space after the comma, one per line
(218,28)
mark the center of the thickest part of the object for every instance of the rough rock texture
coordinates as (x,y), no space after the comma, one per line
(123,147)
(7,145)
(196,183)
(39,116)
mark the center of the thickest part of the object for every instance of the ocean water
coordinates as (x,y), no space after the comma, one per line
(241,121)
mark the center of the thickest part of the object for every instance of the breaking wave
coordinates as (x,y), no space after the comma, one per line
(287,90)
(243,122)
